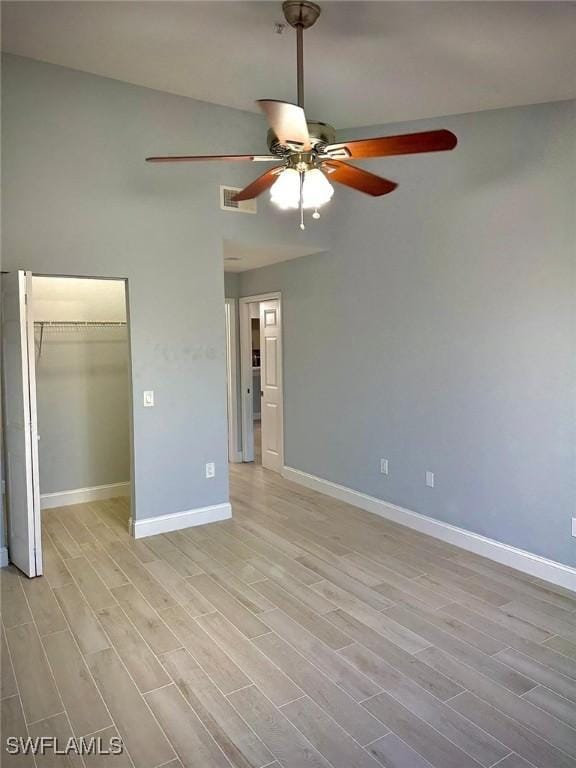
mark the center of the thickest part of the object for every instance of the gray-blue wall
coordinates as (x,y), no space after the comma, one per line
(82,385)
(78,199)
(231,285)
(438,332)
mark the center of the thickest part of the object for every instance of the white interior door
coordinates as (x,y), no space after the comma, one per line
(271,384)
(21,429)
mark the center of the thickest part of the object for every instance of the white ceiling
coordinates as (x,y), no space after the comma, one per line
(239,257)
(366,62)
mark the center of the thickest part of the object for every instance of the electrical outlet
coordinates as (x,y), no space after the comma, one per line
(210,469)
(574,526)
(430,479)
(383,466)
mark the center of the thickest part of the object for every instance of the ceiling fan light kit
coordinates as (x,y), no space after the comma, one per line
(292,188)
(309,157)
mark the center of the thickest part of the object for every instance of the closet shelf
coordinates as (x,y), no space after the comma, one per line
(75,324)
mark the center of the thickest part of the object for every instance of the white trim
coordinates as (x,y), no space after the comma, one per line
(151,526)
(261,297)
(34,424)
(527,562)
(3,557)
(231,382)
(83,495)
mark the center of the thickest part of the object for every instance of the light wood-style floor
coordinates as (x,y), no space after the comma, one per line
(304,633)
(257,442)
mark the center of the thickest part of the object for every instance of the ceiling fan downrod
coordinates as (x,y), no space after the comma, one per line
(300,14)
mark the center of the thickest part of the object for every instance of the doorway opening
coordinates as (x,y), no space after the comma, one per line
(261,401)
(233,382)
(69,389)
(255,345)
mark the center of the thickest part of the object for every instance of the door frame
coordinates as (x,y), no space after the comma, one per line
(126,281)
(34,424)
(246,371)
(30,428)
(234,451)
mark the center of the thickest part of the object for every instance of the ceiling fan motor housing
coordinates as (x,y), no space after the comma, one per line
(300,13)
(321,134)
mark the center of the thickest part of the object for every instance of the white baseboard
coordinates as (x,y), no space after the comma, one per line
(527,562)
(83,495)
(151,526)
(3,557)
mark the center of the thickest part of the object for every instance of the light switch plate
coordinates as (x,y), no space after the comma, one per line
(210,469)
(383,466)
(149,398)
(574,526)
(430,479)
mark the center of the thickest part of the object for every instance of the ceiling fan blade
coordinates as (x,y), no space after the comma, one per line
(358,178)
(288,122)
(259,185)
(199,158)
(384,146)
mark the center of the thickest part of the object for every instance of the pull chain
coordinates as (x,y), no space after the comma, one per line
(302,200)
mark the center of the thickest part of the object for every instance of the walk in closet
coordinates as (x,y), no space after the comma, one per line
(82,387)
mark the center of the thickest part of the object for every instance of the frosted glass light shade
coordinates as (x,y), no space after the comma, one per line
(285,192)
(317,190)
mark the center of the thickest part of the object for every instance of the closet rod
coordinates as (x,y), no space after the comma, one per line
(80,323)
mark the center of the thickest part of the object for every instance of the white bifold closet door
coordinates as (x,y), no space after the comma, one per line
(271,384)
(21,428)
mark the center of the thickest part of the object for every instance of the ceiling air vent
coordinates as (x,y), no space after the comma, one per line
(227,204)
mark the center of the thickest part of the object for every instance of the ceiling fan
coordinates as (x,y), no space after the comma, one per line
(307,152)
